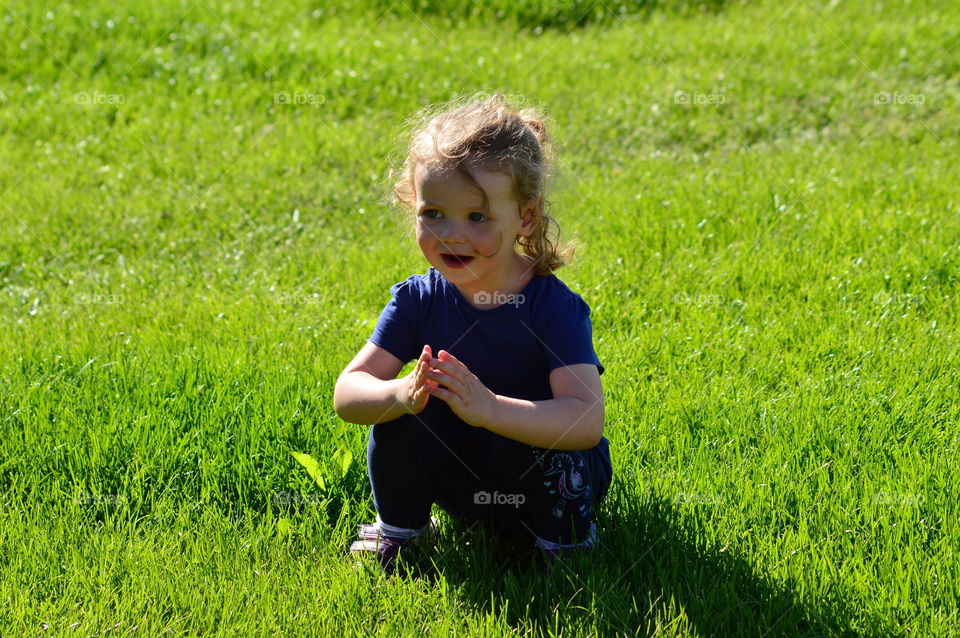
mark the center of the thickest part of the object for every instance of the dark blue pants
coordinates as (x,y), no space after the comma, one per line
(476,475)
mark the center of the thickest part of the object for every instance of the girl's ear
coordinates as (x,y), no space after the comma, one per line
(528,216)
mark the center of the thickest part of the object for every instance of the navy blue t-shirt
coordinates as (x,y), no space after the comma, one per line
(511,348)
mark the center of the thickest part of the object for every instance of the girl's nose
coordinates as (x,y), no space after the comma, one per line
(452,234)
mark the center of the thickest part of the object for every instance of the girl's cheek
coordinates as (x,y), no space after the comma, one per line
(433,228)
(490,238)
(424,232)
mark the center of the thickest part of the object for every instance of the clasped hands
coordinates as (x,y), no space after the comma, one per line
(461,389)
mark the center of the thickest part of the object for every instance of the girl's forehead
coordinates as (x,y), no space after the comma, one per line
(450,181)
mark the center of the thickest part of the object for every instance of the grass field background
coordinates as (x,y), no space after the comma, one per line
(193,246)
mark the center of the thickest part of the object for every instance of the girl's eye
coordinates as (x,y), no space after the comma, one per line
(433,213)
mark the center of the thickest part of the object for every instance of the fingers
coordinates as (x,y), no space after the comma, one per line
(446,356)
(446,395)
(423,361)
(421,382)
(445,374)
(429,368)
(445,366)
(422,387)
(451,385)
(425,356)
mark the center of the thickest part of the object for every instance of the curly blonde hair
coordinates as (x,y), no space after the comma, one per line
(496,136)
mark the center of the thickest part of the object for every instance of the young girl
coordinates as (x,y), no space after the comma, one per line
(502,418)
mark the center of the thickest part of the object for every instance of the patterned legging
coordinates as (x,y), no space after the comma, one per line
(474,474)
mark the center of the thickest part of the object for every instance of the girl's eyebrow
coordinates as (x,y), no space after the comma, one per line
(425,205)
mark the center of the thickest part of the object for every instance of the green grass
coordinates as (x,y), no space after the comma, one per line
(187,264)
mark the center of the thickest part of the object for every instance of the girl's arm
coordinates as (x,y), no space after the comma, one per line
(564,423)
(368,392)
(360,397)
(572,420)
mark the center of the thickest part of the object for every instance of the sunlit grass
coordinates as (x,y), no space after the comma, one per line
(192,249)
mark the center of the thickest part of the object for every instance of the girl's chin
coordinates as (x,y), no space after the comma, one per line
(456,272)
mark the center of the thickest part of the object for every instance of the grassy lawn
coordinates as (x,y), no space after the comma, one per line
(193,246)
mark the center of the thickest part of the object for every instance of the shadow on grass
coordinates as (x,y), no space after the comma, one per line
(645,567)
(547,14)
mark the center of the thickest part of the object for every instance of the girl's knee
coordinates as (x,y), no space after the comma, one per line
(560,490)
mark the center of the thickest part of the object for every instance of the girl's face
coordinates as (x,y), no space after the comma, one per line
(451,221)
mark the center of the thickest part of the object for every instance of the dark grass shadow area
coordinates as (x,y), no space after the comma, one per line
(538,15)
(644,564)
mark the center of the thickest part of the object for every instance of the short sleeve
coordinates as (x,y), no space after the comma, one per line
(568,336)
(395,331)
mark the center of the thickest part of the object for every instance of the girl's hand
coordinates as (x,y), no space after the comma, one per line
(464,393)
(415,390)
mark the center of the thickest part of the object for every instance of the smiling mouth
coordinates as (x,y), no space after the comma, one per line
(455,261)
